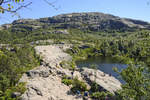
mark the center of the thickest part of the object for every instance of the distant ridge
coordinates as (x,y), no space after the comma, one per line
(94,21)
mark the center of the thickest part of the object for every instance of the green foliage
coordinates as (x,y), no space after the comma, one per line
(68,64)
(20,87)
(8,6)
(14,61)
(78,86)
(137,83)
(101,95)
(73,65)
(7,95)
(4,82)
(94,87)
(123,46)
(98,94)
(67,81)
(94,66)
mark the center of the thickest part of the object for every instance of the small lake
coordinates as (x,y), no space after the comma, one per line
(104,64)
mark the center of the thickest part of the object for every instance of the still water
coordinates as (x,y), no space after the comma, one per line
(104,64)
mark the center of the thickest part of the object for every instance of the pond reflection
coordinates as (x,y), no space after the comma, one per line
(104,64)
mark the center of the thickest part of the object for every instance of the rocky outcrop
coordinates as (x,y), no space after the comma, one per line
(56,32)
(107,82)
(53,54)
(47,88)
(44,82)
(93,21)
(23,21)
(5,26)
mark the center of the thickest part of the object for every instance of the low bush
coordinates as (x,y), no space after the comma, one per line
(67,81)
(78,86)
(102,95)
(94,87)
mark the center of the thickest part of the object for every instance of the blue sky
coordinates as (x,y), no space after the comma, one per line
(136,9)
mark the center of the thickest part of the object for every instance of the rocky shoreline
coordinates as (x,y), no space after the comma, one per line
(44,82)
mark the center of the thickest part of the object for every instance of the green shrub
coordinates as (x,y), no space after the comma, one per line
(94,87)
(72,65)
(68,65)
(78,86)
(99,95)
(137,82)
(65,77)
(21,87)
(67,81)
(13,63)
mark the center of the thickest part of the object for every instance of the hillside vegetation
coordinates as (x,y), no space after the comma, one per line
(92,34)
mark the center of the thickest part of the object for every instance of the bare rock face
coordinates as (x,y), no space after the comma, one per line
(53,54)
(108,83)
(38,72)
(93,21)
(44,82)
(61,32)
(49,88)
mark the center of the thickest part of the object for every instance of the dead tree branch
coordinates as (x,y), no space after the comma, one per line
(15,11)
(51,4)
(1,2)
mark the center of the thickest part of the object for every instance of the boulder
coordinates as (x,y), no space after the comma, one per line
(39,72)
(108,83)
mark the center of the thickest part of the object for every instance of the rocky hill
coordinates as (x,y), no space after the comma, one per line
(93,21)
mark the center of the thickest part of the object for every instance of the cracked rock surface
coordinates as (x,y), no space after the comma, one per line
(44,82)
